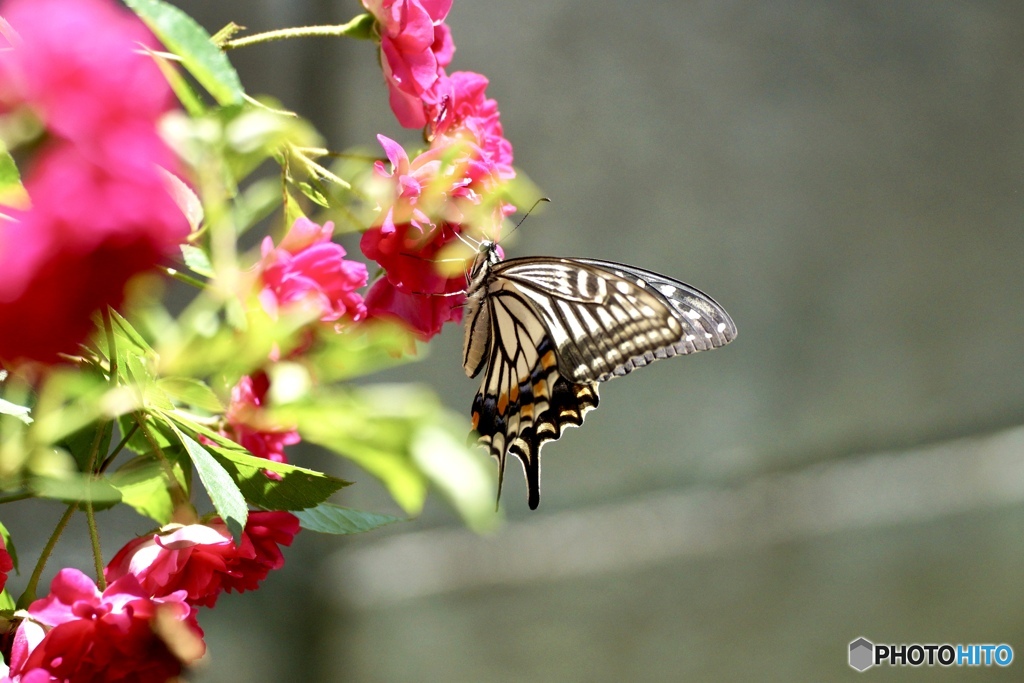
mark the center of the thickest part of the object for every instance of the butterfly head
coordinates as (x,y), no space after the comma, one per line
(488,254)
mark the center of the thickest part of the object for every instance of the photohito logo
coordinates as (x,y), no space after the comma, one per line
(864,654)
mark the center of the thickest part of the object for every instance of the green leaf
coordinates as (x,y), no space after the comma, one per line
(186,199)
(314,191)
(298,488)
(20,412)
(12,192)
(332,519)
(80,444)
(9,543)
(184,37)
(70,488)
(223,491)
(458,471)
(374,427)
(191,392)
(362,349)
(143,485)
(7,605)
(197,260)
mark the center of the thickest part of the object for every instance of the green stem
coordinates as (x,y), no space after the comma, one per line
(14,497)
(187,279)
(118,448)
(178,496)
(111,348)
(97,553)
(29,595)
(360,27)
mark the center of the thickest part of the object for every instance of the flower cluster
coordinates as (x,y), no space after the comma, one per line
(79,633)
(199,561)
(143,626)
(100,209)
(452,188)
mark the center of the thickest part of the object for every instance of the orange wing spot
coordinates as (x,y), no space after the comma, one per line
(502,404)
(476,420)
(514,394)
(548,360)
(526,411)
(540,388)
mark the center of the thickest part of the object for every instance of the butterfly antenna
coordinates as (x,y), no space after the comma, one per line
(542,199)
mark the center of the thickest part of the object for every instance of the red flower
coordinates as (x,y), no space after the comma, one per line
(201,560)
(122,634)
(246,425)
(307,267)
(416,46)
(6,564)
(100,211)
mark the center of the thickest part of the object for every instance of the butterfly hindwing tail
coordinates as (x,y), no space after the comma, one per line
(537,409)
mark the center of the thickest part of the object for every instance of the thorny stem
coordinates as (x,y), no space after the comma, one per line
(30,591)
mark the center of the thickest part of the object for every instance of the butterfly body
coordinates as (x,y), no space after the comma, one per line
(548,330)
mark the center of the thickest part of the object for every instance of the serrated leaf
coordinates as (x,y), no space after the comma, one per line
(298,488)
(184,37)
(327,518)
(197,260)
(124,330)
(191,392)
(7,605)
(9,543)
(223,491)
(143,485)
(23,413)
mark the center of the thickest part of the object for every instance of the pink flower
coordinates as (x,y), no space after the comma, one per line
(431,199)
(465,112)
(247,426)
(78,633)
(6,564)
(416,46)
(201,560)
(308,268)
(75,61)
(100,211)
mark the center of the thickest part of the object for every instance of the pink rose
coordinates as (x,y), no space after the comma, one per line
(308,267)
(77,633)
(433,198)
(415,46)
(465,112)
(100,212)
(198,561)
(6,564)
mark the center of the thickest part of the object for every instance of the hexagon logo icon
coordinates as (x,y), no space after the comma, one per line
(862,654)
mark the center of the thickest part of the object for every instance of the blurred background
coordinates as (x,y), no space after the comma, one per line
(845,178)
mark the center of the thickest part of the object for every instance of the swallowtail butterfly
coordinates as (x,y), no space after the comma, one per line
(546,330)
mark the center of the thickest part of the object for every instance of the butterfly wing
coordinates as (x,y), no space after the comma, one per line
(606,319)
(523,400)
(548,329)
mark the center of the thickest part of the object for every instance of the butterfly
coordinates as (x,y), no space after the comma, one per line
(545,331)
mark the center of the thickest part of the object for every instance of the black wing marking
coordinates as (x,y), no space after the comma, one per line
(524,400)
(606,319)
